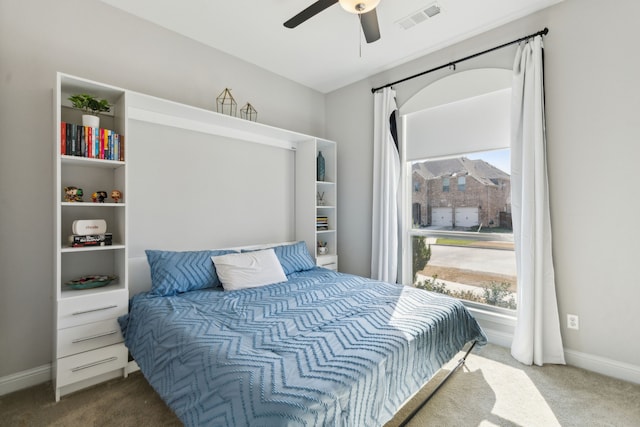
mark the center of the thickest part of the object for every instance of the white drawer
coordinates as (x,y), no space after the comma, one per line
(328,261)
(88,337)
(90,364)
(75,311)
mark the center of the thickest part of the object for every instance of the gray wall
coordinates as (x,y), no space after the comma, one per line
(89,39)
(593,102)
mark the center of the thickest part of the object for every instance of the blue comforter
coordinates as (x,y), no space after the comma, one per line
(323,348)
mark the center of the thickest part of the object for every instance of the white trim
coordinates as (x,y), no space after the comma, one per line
(155,110)
(603,365)
(589,362)
(25,379)
(600,365)
(492,316)
(502,339)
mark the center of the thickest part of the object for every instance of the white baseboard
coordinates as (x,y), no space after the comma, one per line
(601,365)
(502,339)
(25,379)
(604,366)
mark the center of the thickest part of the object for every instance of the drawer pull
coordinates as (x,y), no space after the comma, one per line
(91,365)
(104,334)
(95,309)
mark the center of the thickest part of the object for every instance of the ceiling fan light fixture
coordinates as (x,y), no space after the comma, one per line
(358,6)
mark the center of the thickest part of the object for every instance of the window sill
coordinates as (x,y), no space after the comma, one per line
(505,319)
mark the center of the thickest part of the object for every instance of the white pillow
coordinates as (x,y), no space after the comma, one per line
(248,269)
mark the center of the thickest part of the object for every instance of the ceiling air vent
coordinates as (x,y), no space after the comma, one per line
(420,16)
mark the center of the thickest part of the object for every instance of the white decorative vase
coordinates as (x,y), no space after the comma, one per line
(90,120)
(323,250)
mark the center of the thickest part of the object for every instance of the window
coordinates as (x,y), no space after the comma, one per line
(464,245)
(462,180)
(445,185)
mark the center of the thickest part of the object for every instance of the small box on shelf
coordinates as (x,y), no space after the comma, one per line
(90,240)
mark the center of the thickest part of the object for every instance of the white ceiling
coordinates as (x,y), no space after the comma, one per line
(328,51)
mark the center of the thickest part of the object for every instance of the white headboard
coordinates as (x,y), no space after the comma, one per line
(199,180)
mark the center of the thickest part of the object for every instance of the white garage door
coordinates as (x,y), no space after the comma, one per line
(466,217)
(442,217)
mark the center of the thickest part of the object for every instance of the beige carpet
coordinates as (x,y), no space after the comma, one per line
(491,390)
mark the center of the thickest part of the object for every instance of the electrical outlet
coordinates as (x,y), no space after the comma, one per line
(572,321)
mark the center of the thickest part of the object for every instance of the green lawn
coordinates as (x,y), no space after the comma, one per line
(454,242)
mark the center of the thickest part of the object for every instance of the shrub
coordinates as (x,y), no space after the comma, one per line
(496,294)
(421,255)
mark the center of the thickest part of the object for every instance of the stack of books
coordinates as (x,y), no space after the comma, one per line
(86,240)
(322,223)
(85,141)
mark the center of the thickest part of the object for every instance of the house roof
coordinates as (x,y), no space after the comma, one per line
(482,171)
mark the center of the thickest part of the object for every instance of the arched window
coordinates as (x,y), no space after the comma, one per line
(456,131)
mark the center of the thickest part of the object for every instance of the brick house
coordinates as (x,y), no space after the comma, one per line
(461,193)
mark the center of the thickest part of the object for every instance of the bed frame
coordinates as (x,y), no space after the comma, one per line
(438,387)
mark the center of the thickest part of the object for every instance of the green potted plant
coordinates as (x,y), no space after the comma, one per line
(91,106)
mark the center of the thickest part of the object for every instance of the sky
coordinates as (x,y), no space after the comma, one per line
(498,158)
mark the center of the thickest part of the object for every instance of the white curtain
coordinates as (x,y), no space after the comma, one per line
(537,335)
(386,183)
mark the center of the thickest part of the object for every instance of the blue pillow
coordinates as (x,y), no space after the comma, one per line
(176,272)
(293,257)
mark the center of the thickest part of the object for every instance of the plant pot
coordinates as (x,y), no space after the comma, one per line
(323,250)
(90,120)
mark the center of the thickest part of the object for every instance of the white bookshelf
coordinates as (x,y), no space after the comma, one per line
(316,198)
(88,345)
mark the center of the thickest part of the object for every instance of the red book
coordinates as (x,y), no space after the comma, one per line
(89,134)
(63,138)
(101,142)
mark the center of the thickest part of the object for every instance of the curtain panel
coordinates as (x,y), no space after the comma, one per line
(537,338)
(386,184)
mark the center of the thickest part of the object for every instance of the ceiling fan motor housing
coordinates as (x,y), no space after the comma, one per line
(358,6)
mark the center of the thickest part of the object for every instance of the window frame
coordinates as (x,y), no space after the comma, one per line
(446,188)
(462,186)
(492,313)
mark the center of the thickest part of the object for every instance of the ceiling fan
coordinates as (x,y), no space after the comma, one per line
(365,9)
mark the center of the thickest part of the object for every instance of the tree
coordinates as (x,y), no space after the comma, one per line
(421,255)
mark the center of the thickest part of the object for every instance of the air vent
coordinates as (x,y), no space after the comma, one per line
(420,16)
(432,10)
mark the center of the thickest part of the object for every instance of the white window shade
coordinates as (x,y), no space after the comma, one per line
(474,124)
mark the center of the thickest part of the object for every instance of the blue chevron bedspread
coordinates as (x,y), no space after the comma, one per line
(322,349)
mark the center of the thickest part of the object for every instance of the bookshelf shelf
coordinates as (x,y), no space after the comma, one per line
(92,205)
(68,249)
(88,161)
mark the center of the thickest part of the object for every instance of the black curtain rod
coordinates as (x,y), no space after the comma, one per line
(453,63)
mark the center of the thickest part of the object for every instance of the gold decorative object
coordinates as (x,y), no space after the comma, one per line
(249,113)
(225,103)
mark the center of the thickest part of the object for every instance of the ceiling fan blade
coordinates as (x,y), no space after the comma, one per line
(370,28)
(309,12)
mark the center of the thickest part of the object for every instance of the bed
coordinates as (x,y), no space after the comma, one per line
(319,348)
